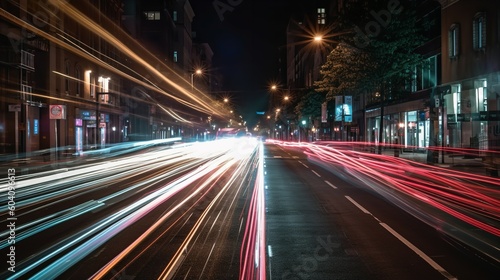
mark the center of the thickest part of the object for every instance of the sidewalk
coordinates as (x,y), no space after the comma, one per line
(458,162)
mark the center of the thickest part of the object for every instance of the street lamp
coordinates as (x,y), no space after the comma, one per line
(197,72)
(286,98)
(305,136)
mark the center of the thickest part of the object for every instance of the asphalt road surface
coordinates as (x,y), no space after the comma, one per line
(320,226)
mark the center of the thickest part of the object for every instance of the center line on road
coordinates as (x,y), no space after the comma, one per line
(315,173)
(408,244)
(330,184)
(303,164)
(359,206)
(419,252)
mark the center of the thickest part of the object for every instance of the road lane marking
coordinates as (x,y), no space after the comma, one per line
(359,206)
(315,173)
(419,252)
(330,184)
(408,244)
(303,164)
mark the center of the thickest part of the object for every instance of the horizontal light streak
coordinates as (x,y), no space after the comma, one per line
(199,159)
(463,205)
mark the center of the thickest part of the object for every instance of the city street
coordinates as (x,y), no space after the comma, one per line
(250,140)
(323,225)
(188,211)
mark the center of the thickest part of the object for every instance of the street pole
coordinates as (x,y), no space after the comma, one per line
(441,97)
(343,116)
(192,82)
(97,122)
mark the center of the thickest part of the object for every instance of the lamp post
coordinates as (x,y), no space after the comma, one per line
(286,98)
(197,72)
(305,134)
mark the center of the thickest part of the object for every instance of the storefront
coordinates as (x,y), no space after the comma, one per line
(473,115)
(406,124)
(87,133)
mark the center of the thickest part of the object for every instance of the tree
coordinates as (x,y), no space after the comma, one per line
(345,72)
(309,105)
(378,58)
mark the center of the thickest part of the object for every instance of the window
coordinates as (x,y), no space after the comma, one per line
(66,78)
(175,56)
(152,15)
(79,77)
(454,41)
(321,16)
(174,15)
(414,79)
(92,86)
(423,76)
(26,92)
(456,101)
(429,73)
(27,59)
(103,84)
(479,32)
(481,95)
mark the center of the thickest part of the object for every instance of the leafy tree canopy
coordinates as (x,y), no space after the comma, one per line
(378,50)
(310,104)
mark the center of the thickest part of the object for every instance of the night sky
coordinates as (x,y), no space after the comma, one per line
(245,39)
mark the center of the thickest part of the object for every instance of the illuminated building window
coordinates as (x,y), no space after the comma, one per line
(176,58)
(87,84)
(479,32)
(454,41)
(321,16)
(174,16)
(152,15)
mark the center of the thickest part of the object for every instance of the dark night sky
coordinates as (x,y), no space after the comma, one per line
(245,45)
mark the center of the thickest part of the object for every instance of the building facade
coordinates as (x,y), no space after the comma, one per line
(454,99)
(86,74)
(471,73)
(409,120)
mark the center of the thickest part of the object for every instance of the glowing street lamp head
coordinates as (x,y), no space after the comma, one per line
(318,38)
(273,87)
(198,71)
